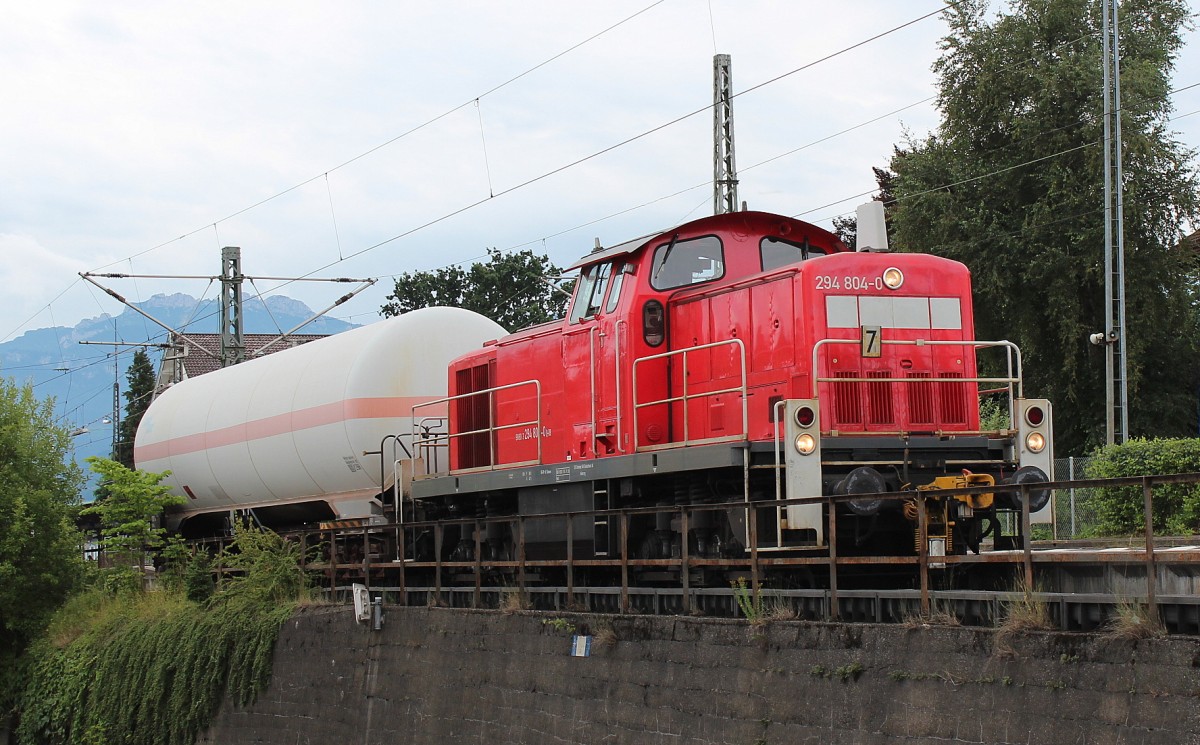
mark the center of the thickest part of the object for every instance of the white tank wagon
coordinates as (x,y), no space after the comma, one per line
(290,428)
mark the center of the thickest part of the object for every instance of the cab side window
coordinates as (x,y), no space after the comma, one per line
(689,262)
(589,291)
(614,294)
(777,252)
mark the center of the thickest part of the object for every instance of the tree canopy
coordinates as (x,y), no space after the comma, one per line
(508,288)
(1011,184)
(41,554)
(140,377)
(134,499)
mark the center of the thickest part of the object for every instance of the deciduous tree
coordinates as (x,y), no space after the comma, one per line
(41,557)
(1011,183)
(511,289)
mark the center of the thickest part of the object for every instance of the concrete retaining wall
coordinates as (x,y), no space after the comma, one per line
(449,676)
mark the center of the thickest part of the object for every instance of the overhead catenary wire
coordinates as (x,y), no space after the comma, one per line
(400,136)
(341,257)
(345,163)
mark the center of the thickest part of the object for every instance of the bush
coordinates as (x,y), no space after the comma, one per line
(1176,506)
(151,668)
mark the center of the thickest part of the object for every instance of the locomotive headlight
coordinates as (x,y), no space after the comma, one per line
(893,278)
(1035,442)
(805,444)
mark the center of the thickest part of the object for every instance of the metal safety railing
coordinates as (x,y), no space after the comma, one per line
(435,443)
(685,396)
(442,570)
(1012,382)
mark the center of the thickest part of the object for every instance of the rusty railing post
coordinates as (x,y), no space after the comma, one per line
(437,564)
(1151,570)
(366,559)
(478,567)
(333,566)
(923,551)
(834,603)
(752,522)
(401,549)
(624,562)
(1026,540)
(683,563)
(571,561)
(521,557)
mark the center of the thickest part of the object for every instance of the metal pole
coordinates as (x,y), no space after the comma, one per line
(1071,476)
(1115,386)
(724,167)
(233,344)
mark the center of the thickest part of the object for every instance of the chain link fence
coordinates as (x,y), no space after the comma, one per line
(1074,510)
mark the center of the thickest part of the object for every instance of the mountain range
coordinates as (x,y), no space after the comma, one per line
(80,377)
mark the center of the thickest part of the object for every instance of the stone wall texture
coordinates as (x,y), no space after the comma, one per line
(446,676)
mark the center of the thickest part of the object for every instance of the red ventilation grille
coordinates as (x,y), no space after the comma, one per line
(920,399)
(847,400)
(954,400)
(473,413)
(879,399)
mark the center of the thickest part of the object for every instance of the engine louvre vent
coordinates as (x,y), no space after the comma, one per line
(879,399)
(954,399)
(847,399)
(920,399)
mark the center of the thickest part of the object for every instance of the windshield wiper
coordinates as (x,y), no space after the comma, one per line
(666,255)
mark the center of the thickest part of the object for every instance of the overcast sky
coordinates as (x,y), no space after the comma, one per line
(135,135)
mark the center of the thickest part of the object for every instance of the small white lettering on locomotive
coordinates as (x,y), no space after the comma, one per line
(530,433)
(850,282)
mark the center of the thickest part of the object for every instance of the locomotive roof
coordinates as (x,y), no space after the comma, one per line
(604,254)
(628,247)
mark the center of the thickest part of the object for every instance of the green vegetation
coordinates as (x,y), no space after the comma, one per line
(151,668)
(130,503)
(1119,510)
(1011,184)
(510,289)
(140,377)
(559,624)
(40,557)
(749,603)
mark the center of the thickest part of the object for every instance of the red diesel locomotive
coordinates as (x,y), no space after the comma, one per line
(744,356)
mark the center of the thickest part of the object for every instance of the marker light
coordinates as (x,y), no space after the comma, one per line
(893,278)
(1035,416)
(805,444)
(1035,442)
(805,416)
